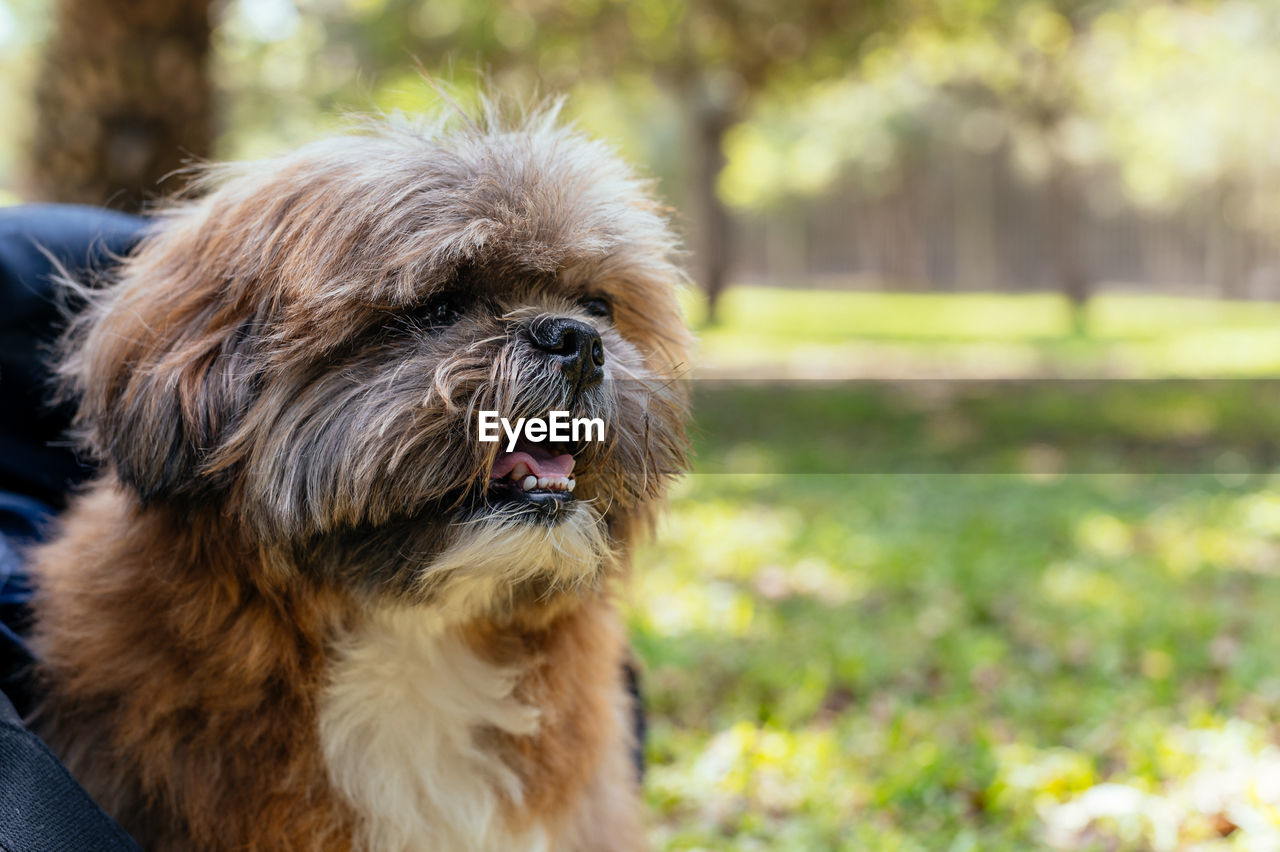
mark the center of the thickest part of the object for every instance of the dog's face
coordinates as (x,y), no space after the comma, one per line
(305,352)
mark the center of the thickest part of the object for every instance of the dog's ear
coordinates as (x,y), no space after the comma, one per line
(159,362)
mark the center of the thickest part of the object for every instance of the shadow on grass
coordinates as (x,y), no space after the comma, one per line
(1219,426)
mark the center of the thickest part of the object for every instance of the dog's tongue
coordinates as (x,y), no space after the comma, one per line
(540,461)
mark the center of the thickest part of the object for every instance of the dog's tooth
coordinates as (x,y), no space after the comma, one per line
(572,482)
(542,482)
(520,471)
(529,482)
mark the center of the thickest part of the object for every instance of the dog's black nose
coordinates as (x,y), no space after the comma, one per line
(574,345)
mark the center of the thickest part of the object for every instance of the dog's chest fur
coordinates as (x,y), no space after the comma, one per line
(294,720)
(406,726)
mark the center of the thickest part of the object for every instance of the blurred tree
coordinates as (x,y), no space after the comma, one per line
(123,98)
(716,57)
(1190,114)
(1023,61)
(1045,40)
(966,80)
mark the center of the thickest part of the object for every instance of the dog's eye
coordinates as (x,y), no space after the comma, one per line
(598,306)
(442,311)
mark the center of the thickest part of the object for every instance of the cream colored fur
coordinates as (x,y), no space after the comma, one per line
(492,556)
(398,727)
(406,697)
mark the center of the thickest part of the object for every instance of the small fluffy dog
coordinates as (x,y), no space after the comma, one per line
(303,606)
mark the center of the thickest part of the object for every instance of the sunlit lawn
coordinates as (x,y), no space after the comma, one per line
(1017,643)
(809,332)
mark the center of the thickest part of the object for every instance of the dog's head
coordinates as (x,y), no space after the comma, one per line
(307,350)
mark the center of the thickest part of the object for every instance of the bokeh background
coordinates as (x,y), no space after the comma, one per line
(982,546)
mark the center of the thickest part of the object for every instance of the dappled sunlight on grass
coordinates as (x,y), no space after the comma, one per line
(897,661)
(1074,585)
(1211,787)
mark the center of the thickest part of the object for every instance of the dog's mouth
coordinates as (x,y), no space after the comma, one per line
(537,474)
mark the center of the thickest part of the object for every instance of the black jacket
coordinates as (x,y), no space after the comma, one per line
(42,808)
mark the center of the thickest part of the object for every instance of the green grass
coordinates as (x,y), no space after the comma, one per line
(892,617)
(771,329)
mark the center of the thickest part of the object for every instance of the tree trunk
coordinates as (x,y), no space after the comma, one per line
(123,99)
(912,270)
(1224,244)
(977,265)
(714,228)
(1064,242)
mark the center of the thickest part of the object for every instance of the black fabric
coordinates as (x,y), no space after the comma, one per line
(22,519)
(42,808)
(33,460)
(37,467)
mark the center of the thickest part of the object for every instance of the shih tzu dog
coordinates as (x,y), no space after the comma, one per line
(305,606)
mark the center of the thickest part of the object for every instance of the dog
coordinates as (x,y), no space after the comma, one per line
(303,606)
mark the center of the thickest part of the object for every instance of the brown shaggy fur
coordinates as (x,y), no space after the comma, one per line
(288,439)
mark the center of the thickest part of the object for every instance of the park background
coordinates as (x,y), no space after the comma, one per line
(981,547)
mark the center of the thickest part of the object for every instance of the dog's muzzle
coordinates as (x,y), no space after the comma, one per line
(540,475)
(573,347)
